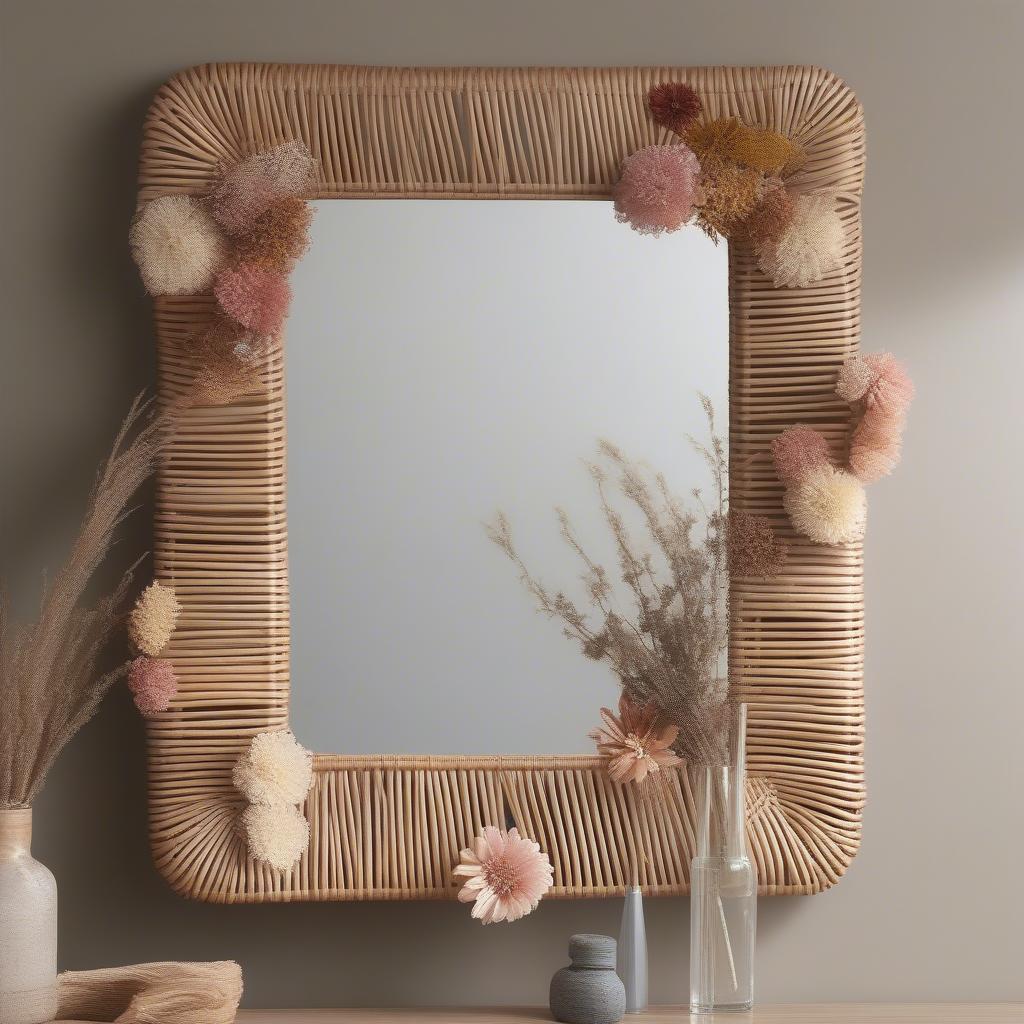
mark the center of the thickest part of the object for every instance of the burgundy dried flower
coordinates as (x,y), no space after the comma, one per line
(256,298)
(152,683)
(657,189)
(674,105)
(754,549)
(798,451)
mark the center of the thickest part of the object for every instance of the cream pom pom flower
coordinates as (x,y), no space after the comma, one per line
(177,245)
(275,769)
(828,505)
(152,620)
(506,875)
(809,247)
(277,834)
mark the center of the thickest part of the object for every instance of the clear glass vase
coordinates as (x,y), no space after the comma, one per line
(28,925)
(723,887)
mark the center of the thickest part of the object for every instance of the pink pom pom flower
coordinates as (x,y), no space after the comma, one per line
(798,451)
(152,683)
(255,298)
(657,189)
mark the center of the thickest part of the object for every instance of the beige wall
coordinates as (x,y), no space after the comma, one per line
(932,906)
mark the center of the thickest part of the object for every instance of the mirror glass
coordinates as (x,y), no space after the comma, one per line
(447,361)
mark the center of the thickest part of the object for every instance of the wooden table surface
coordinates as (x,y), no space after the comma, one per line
(830,1013)
(802,1013)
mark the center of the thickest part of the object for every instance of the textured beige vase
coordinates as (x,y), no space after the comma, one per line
(28,926)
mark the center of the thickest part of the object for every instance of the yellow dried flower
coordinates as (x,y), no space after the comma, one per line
(152,621)
(758,149)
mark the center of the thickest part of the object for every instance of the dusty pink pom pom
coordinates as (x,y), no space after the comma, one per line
(877,379)
(256,298)
(152,683)
(798,451)
(876,444)
(254,185)
(657,189)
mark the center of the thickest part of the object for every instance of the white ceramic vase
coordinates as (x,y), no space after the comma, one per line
(28,925)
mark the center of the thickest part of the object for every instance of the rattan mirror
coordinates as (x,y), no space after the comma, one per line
(390,826)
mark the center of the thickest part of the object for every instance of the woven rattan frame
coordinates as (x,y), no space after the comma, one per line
(391,827)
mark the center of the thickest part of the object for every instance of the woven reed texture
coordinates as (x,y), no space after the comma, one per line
(391,827)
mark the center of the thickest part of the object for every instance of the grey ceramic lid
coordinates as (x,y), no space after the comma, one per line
(592,951)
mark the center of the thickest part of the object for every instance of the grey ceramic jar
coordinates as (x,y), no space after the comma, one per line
(588,991)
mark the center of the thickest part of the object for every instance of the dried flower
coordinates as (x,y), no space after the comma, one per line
(256,298)
(636,743)
(810,247)
(876,445)
(226,361)
(49,683)
(730,194)
(277,834)
(770,217)
(657,189)
(278,237)
(758,149)
(827,505)
(798,451)
(252,186)
(153,684)
(506,875)
(177,245)
(877,379)
(152,621)
(674,105)
(668,652)
(275,769)
(754,547)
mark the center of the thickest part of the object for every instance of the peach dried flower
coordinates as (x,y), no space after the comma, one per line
(505,875)
(810,247)
(657,189)
(635,744)
(798,451)
(152,620)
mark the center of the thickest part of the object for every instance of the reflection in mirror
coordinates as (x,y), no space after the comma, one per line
(447,361)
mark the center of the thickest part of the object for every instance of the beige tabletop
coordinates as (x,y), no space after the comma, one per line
(805,1013)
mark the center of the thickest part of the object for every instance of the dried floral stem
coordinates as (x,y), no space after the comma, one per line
(49,687)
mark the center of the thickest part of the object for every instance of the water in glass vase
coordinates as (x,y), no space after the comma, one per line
(723,891)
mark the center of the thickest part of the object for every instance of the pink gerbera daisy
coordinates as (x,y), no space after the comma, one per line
(505,875)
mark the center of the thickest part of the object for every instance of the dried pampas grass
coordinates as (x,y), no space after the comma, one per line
(50,683)
(275,769)
(152,621)
(177,245)
(277,834)
(153,684)
(810,247)
(828,505)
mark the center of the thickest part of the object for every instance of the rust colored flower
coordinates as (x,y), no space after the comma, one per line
(278,237)
(798,451)
(256,298)
(152,683)
(657,189)
(226,362)
(754,548)
(634,744)
(770,217)
(674,105)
